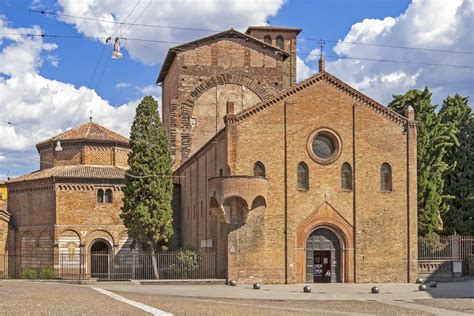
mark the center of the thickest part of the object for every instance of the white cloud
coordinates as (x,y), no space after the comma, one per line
(313,55)
(303,70)
(440,25)
(149,90)
(121,85)
(44,106)
(53,60)
(204,14)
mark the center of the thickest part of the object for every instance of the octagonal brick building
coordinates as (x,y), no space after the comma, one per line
(71,205)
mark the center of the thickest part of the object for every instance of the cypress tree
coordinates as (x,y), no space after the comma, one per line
(148,191)
(433,140)
(459,183)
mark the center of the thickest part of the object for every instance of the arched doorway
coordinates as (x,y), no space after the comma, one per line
(100,259)
(323,256)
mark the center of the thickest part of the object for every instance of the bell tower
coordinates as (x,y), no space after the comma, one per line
(283,38)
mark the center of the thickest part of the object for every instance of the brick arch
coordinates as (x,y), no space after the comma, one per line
(263,92)
(100,234)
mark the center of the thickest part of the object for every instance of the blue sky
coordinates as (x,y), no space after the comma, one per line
(44,81)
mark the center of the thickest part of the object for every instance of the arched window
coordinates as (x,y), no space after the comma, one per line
(280,42)
(267,39)
(386,177)
(303,176)
(100,196)
(108,196)
(259,169)
(346,176)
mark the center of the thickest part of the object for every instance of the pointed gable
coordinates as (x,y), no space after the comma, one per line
(231,33)
(331,80)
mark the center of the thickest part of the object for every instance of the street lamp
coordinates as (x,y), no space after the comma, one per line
(116,54)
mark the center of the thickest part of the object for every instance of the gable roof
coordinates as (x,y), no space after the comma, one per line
(231,33)
(90,131)
(75,172)
(331,80)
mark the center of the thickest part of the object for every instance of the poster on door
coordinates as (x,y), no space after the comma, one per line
(318,267)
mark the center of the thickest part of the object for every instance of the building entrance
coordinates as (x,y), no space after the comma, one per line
(323,257)
(100,260)
(322,266)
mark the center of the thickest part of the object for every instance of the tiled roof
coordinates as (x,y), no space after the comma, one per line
(75,171)
(90,131)
(225,34)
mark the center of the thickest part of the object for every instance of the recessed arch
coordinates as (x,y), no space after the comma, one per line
(259,169)
(386,177)
(325,216)
(259,201)
(263,92)
(280,42)
(267,39)
(100,251)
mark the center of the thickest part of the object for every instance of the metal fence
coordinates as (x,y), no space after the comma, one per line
(104,266)
(447,248)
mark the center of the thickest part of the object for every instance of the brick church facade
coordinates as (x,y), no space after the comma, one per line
(287,182)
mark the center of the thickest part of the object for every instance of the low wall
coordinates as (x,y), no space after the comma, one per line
(440,270)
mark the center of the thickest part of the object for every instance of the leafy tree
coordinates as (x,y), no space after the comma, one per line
(148,191)
(434,138)
(459,183)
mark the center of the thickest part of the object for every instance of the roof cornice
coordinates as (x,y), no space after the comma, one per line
(331,80)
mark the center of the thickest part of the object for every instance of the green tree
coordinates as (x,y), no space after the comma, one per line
(148,191)
(459,183)
(434,138)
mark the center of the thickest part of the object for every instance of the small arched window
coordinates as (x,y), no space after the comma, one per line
(267,39)
(108,196)
(386,177)
(100,196)
(303,176)
(280,42)
(346,176)
(259,169)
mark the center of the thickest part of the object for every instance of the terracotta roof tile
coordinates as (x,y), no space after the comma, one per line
(89,131)
(75,171)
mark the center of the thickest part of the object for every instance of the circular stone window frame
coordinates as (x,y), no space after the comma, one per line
(333,136)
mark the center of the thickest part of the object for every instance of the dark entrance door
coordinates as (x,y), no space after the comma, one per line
(322,266)
(100,260)
(323,252)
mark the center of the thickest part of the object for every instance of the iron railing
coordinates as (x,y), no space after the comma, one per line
(445,249)
(131,265)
